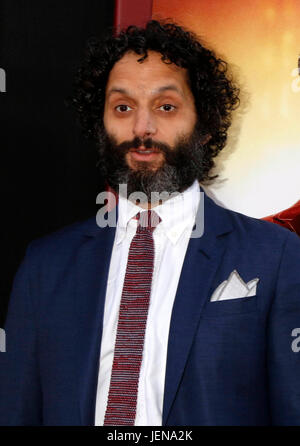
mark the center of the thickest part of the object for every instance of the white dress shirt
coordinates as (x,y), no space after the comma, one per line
(171,239)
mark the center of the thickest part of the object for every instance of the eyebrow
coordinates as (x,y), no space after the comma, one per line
(162,89)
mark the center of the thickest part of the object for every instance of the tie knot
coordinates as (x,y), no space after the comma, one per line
(148,220)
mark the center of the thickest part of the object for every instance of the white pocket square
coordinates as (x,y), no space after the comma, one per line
(234,288)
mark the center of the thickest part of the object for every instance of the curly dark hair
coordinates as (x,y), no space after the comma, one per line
(215,92)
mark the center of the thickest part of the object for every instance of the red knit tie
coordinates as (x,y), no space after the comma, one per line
(123,391)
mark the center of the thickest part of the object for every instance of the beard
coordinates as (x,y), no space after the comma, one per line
(182,164)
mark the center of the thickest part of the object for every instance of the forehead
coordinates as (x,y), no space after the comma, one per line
(150,73)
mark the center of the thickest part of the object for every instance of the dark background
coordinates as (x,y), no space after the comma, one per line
(48,169)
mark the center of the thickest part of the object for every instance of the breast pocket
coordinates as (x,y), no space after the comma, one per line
(230,306)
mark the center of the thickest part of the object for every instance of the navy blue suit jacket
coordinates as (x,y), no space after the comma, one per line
(229,362)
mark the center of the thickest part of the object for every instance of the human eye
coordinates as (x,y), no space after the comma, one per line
(167,108)
(123,108)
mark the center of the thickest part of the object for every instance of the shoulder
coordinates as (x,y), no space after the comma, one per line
(253,230)
(255,227)
(264,248)
(65,240)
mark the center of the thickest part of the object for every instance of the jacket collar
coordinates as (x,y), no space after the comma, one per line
(216,220)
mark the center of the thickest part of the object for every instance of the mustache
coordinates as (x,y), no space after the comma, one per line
(148,143)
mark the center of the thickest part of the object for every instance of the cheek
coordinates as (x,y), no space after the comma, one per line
(113,128)
(168,132)
(106,122)
(108,117)
(190,120)
(117,124)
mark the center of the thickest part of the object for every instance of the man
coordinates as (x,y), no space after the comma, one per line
(155,324)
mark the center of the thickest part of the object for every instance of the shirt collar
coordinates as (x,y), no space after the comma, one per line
(176,213)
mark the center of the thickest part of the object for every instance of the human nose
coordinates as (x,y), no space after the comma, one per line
(144,125)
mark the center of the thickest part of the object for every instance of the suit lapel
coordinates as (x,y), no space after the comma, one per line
(92,271)
(201,262)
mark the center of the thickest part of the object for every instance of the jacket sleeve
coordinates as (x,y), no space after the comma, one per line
(284,339)
(20,391)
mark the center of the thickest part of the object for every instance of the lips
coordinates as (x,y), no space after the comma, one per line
(144,154)
(143,149)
